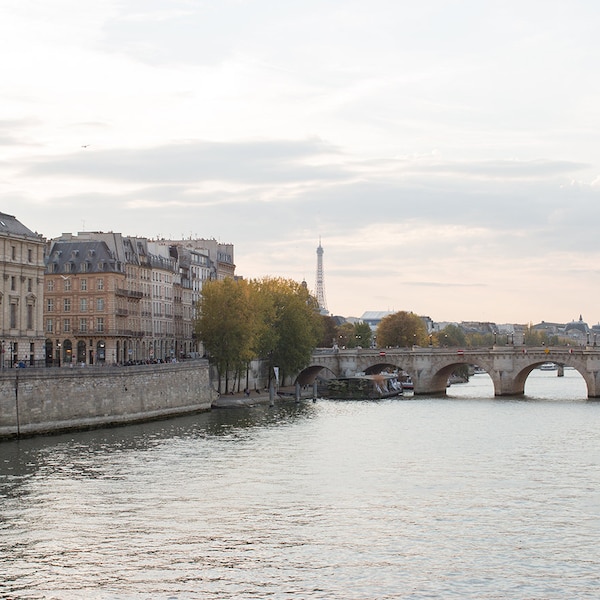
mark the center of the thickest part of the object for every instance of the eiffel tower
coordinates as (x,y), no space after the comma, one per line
(320,286)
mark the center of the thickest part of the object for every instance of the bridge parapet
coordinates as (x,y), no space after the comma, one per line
(429,367)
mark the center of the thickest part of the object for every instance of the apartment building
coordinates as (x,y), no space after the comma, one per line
(117,299)
(21,294)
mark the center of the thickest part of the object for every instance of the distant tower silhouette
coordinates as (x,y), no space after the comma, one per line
(320,287)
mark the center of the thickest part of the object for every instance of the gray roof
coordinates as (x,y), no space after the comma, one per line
(95,254)
(9,225)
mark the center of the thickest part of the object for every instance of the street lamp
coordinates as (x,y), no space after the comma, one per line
(58,351)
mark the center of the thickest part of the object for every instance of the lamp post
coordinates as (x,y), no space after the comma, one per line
(58,352)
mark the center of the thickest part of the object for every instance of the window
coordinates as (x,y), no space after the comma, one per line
(67,305)
(13,316)
(49,326)
(29,316)
(29,255)
(82,325)
(100,324)
(13,252)
(49,304)
(29,285)
(100,284)
(67,285)
(99,304)
(83,285)
(83,305)
(50,286)
(13,283)
(66,325)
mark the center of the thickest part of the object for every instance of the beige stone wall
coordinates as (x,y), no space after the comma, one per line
(34,401)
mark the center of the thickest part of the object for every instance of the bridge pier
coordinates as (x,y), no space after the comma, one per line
(508,366)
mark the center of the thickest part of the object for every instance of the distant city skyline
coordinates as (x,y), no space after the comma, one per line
(445,153)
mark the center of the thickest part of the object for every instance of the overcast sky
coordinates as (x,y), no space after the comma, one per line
(446,152)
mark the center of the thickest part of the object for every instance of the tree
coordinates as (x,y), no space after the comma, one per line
(227,325)
(329,329)
(401,329)
(290,325)
(363,334)
(345,335)
(354,335)
(534,337)
(452,335)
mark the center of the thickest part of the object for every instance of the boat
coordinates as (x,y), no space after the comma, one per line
(372,387)
(549,366)
(407,384)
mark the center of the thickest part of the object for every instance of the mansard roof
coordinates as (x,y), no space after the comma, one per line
(91,256)
(580,325)
(10,225)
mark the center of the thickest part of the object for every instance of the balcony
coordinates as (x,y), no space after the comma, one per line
(129,293)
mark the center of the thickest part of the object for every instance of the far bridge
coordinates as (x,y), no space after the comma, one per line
(430,368)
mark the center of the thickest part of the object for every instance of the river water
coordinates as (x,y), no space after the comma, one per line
(460,497)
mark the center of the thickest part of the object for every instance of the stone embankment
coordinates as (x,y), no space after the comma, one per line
(38,401)
(256,397)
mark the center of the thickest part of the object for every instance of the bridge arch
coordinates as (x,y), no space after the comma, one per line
(429,368)
(309,375)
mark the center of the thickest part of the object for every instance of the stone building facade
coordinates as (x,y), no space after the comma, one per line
(21,294)
(117,299)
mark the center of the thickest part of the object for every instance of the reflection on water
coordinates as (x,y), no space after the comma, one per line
(466,497)
(540,385)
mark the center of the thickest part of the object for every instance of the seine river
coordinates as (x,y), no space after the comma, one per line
(460,497)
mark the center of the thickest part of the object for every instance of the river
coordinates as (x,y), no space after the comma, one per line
(467,496)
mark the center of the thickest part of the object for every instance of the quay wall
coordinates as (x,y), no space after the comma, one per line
(39,401)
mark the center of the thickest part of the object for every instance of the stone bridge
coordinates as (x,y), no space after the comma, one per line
(430,368)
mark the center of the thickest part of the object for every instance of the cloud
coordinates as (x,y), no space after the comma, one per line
(186,162)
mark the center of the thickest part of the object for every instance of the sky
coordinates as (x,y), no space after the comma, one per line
(445,152)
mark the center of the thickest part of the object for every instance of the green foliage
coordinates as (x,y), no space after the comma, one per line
(451,335)
(363,334)
(227,325)
(533,337)
(345,334)
(329,329)
(354,335)
(401,329)
(480,340)
(270,318)
(290,324)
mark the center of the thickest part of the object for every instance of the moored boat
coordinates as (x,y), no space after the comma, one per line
(371,387)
